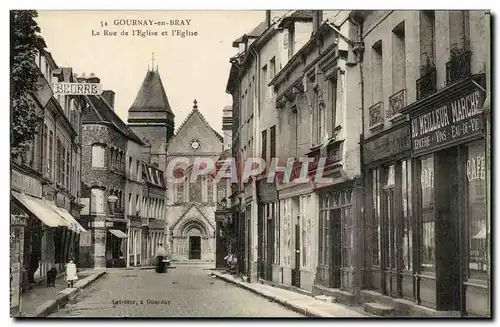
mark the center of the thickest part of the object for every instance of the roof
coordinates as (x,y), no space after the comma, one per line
(151,95)
(101,112)
(195,110)
(298,15)
(255,33)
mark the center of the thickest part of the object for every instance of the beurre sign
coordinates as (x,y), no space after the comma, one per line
(454,121)
(77,88)
(387,145)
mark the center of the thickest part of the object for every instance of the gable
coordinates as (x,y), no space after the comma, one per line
(193,213)
(195,127)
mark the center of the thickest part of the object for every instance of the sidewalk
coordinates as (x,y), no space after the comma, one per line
(40,294)
(303,304)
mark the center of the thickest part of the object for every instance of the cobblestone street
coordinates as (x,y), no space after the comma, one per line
(186,291)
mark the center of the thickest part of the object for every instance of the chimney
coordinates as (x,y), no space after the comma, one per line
(317,19)
(109,96)
(268,18)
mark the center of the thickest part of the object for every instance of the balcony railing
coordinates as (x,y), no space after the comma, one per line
(397,101)
(458,67)
(426,85)
(376,114)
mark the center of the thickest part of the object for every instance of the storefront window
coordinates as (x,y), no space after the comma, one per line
(427,251)
(407,214)
(375,232)
(476,210)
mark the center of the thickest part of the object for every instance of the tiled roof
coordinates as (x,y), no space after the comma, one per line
(100,111)
(151,95)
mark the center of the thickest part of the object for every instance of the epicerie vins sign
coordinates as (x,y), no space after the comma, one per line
(77,88)
(459,119)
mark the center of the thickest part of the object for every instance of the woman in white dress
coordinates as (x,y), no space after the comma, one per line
(71,275)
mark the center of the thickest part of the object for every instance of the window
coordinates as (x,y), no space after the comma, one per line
(97,200)
(44,143)
(323,230)
(272,74)
(195,191)
(427,37)
(111,157)
(58,161)
(118,159)
(137,204)
(273,142)
(398,58)
(427,251)
(332,100)
(377,73)
(264,145)
(50,155)
(130,204)
(130,167)
(407,214)
(68,164)
(375,225)
(138,170)
(389,219)
(210,190)
(478,233)
(98,155)
(265,80)
(180,192)
(321,122)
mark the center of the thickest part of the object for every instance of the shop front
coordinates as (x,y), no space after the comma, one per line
(388,217)
(338,202)
(450,208)
(267,208)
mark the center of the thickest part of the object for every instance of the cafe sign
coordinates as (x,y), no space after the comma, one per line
(454,121)
(77,88)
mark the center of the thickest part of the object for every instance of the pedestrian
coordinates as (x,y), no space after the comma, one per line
(71,275)
(161,254)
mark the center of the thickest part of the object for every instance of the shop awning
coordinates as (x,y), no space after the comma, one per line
(39,209)
(72,223)
(118,233)
(481,234)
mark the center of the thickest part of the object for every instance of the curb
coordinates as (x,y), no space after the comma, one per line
(63,297)
(297,308)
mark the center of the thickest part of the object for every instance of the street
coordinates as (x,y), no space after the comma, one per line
(186,291)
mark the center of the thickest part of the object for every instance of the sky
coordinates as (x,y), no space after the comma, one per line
(193,67)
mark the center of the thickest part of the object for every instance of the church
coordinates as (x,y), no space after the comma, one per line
(190,206)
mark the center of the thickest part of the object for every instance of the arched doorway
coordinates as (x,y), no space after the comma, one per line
(194,231)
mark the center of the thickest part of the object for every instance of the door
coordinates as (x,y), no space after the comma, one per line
(336,250)
(296,271)
(260,241)
(270,248)
(194,247)
(391,283)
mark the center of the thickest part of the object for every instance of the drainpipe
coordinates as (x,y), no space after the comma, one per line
(487,113)
(358,50)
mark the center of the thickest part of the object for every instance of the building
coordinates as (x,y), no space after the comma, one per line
(152,118)
(111,185)
(318,99)
(424,148)
(252,68)
(45,183)
(191,201)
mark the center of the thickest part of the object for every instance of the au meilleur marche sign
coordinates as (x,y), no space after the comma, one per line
(77,88)
(459,119)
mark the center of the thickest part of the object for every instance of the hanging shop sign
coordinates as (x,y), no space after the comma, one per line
(455,121)
(387,145)
(77,88)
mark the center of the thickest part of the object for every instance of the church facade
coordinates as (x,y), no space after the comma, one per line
(191,203)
